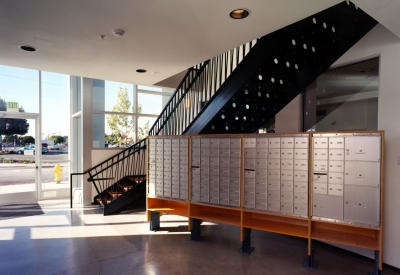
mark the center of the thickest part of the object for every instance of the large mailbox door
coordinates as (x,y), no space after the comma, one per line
(362,173)
(326,206)
(361,204)
(364,148)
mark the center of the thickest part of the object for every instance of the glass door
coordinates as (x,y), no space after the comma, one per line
(19,157)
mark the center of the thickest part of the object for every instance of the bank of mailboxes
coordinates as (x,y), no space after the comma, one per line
(215,170)
(168,167)
(276,173)
(346,177)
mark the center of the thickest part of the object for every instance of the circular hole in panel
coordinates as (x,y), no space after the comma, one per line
(313,49)
(293,42)
(236,117)
(247,106)
(259,93)
(309,102)
(234,105)
(281,81)
(246,92)
(287,64)
(324,24)
(226,127)
(244,118)
(306,113)
(213,127)
(318,103)
(260,77)
(223,116)
(273,80)
(333,29)
(276,61)
(267,95)
(295,65)
(305,46)
(314,21)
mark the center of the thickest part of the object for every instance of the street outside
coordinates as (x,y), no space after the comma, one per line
(20,173)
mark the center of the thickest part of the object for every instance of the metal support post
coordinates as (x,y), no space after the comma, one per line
(154,221)
(376,265)
(309,262)
(246,245)
(195,233)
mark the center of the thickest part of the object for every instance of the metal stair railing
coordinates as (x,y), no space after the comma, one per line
(197,88)
(129,162)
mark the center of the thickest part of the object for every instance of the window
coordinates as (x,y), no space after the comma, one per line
(123,114)
(344,99)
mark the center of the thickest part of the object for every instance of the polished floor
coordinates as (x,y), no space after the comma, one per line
(82,241)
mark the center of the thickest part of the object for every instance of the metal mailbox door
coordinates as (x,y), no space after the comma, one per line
(336,142)
(287,142)
(365,148)
(274,143)
(327,206)
(301,142)
(362,204)
(362,173)
(320,142)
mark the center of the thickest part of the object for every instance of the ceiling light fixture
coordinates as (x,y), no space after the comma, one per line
(27,48)
(118,33)
(239,13)
(141,71)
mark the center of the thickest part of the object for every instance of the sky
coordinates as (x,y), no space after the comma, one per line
(22,86)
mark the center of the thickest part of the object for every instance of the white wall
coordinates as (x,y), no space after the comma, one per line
(289,119)
(382,42)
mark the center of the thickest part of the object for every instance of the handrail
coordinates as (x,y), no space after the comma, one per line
(170,101)
(122,152)
(102,167)
(196,89)
(109,174)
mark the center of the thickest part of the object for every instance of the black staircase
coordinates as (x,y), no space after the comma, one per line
(196,89)
(121,179)
(247,93)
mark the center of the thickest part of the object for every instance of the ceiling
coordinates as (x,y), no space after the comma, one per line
(162,37)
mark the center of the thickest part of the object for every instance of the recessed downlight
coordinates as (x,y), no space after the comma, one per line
(27,48)
(141,71)
(366,71)
(239,14)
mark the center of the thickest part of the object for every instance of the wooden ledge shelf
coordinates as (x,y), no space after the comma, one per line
(180,208)
(215,214)
(288,225)
(346,234)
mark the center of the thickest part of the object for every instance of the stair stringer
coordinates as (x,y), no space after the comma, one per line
(279,67)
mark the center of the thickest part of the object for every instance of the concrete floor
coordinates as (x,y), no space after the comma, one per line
(82,241)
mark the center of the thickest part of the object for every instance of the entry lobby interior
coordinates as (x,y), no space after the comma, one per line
(152,44)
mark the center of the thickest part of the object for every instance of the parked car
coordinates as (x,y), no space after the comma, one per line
(31,147)
(57,146)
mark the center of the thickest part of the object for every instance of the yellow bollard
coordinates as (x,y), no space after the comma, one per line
(57,173)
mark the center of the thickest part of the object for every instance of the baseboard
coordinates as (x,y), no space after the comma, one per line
(355,255)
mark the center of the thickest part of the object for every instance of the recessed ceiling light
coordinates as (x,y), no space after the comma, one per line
(239,14)
(366,71)
(141,71)
(28,48)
